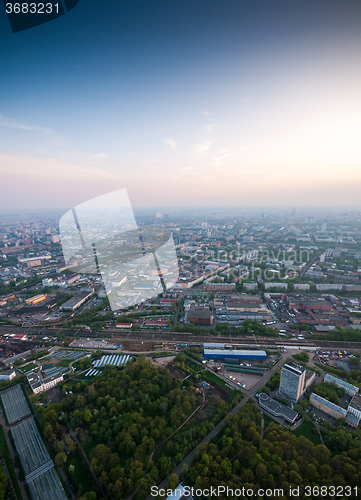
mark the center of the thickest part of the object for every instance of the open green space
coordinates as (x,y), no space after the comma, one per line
(28,367)
(9,463)
(308,430)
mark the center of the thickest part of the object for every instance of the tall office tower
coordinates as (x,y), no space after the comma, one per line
(324,226)
(292,382)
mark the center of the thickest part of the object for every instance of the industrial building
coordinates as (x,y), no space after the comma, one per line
(200,316)
(76,301)
(35,300)
(233,354)
(292,382)
(350,389)
(15,405)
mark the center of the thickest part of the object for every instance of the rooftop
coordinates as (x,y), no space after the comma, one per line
(276,408)
(296,369)
(331,379)
(356,402)
(324,401)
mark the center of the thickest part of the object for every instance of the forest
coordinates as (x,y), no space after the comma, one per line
(121,417)
(241,458)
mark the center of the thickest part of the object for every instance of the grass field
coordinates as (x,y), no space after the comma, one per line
(9,463)
(268,420)
(308,430)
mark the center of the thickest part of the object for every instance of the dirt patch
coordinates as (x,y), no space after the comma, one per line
(163,361)
(134,346)
(175,372)
(54,395)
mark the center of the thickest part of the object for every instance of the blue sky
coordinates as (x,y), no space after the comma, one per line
(183,103)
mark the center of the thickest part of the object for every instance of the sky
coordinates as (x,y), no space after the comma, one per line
(184,103)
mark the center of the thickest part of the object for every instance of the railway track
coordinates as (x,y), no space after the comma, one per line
(186,338)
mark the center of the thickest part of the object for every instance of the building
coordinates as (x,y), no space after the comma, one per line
(7,374)
(277,409)
(328,286)
(219,287)
(250,286)
(72,279)
(280,286)
(292,384)
(180,493)
(35,300)
(76,301)
(302,286)
(326,406)
(353,415)
(199,316)
(124,326)
(350,389)
(38,385)
(233,354)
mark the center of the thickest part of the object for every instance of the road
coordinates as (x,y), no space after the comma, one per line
(249,394)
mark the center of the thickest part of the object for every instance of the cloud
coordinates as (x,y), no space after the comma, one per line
(202,148)
(99,155)
(11,123)
(208,129)
(221,156)
(170,142)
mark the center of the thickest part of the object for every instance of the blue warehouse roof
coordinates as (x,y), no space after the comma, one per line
(234,353)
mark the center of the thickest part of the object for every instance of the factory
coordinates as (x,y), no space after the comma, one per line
(76,301)
(233,354)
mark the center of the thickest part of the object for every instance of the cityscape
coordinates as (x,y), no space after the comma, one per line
(264,319)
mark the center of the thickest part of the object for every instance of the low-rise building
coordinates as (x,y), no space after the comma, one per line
(353,416)
(277,409)
(302,286)
(35,300)
(7,374)
(39,385)
(199,316)
(279,286)
(349,389)
(327,406)
(76,301)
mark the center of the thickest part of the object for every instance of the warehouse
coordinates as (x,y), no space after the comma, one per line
(15,405)
(233,354)
(76,301)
